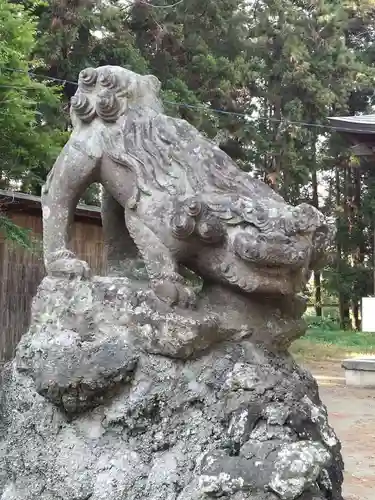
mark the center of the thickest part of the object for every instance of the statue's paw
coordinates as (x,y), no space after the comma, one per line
(175,293)
(68,267)
(186,296)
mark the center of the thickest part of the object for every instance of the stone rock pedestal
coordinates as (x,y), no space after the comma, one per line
(112,397)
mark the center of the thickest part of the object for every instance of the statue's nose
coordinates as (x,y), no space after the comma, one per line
(303,219)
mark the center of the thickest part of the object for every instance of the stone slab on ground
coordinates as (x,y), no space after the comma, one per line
(360,372)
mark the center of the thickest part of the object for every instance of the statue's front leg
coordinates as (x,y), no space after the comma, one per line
(161,264)
(72,173)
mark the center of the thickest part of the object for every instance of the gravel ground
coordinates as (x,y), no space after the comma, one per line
(352,415)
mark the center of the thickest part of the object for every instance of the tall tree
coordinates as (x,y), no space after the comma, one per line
(72,35)
(352,277)
(29,139)
(29,136)
(196,49)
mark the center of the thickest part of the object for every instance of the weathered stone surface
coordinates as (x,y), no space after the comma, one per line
(87,412)
(76,351)
(86,335)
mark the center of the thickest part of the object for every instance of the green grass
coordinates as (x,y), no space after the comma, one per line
(342,338)
(319,344)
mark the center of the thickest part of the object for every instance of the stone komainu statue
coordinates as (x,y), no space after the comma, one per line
(172,196)
(114,394)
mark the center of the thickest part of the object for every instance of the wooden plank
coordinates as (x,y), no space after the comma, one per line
(21,271)
(21,202)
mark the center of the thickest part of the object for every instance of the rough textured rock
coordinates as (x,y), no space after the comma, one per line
(89,412)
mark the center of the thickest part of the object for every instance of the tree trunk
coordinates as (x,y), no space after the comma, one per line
(318,294)
(360,252)
(343,302)
(357,320)
(345,322)
(315,202)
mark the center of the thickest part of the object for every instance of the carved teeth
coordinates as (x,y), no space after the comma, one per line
(242,283)
(232,279)
(231,276)
(224,268)
(250,287)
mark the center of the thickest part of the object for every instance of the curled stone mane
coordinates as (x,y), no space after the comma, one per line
(107,91)
(164,152)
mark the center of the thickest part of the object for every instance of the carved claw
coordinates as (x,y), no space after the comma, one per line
(234,276)
(174,293)
(64,264)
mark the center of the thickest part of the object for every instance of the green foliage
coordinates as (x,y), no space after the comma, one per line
(196,50)
(75,35)
(331,345)
(327,323)
(28,141)
(14,233)
(302,71)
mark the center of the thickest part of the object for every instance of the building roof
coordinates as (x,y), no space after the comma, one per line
(363,124)
(13,201)
(359,131)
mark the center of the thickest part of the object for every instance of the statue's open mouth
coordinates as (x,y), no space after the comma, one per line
(274,263)
(255,278)
(275,251)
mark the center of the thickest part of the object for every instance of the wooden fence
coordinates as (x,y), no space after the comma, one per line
(21,270)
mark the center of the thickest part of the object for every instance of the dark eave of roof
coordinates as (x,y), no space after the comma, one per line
(364,124)
(12,201)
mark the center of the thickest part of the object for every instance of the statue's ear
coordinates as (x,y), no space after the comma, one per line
(154,83)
